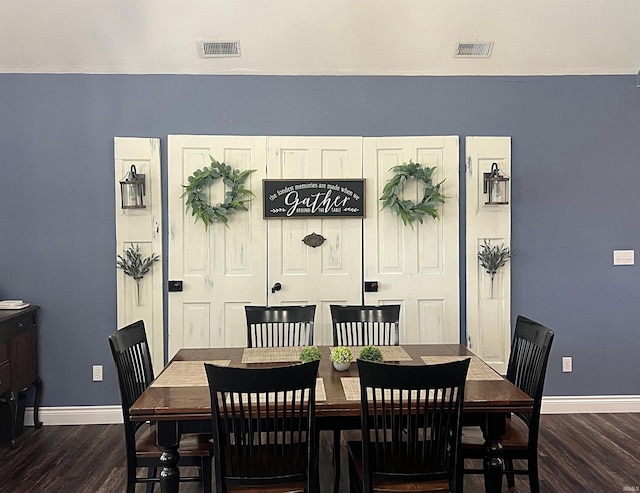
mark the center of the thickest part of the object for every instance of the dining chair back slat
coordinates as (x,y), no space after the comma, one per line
(364,325)
(279,326)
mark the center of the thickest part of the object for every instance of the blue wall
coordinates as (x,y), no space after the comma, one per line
(575,174)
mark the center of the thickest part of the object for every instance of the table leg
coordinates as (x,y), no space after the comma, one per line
(493,431)
(336,459)
(12,401)
(168,440)
(36,402)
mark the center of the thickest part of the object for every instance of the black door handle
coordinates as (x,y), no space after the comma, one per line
(276,287)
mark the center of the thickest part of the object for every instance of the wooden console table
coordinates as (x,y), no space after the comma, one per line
(19,361)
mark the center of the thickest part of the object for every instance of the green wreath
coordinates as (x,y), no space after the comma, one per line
(234,200)
(406,209)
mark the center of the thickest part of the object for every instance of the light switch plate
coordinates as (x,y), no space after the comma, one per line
(623,257)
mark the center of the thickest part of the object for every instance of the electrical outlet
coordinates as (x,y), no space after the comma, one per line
(567,364)
(97,373)
(623,257)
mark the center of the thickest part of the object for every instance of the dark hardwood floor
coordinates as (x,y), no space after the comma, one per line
(597,453)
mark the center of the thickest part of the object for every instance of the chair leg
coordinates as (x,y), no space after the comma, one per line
(534,477)
(511,478)
(151,473)
(206,475)
(459,482)
(355,485)
(131,480)
(336,460)
(314,472)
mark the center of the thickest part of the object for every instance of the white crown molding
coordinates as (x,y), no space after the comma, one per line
(102,415)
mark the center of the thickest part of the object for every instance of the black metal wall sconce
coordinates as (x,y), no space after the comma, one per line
(496,185)
(132,190)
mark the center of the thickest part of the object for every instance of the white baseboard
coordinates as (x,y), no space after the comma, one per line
(593,404)
(102,415)
(76,415)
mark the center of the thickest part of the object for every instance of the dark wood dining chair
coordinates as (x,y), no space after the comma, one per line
(134,369)
(264,428)
(274,326)
(411,422)
(527,369)
(363,325)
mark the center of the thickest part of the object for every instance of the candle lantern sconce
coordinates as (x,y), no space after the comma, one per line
(496,185)
(132,190)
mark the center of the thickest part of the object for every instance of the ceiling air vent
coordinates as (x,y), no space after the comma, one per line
(219,48)
(474,50)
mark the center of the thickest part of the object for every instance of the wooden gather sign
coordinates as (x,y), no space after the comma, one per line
(313,198)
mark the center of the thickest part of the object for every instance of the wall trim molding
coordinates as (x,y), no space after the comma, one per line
(106,415)
(593,404)
(76,415)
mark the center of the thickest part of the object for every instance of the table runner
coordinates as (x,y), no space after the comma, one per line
(186,374)
(289,354)
(478,369)
(389,353)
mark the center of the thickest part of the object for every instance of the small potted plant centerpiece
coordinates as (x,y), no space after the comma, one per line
(371,353)
(309,354)
(341,357)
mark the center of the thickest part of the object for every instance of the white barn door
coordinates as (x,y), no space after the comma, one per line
(222,268)
(332,272)
(488,302)
(416,267)
(142,228)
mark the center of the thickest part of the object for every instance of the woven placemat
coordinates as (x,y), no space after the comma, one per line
(289,354)
(351,389)
(478,369)
(320,393)
(389,353)
(186,374)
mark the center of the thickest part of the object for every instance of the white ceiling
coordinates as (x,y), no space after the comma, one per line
(314,37)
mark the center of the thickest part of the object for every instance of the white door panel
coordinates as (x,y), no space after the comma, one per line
(332,272)
(488,307)
(222,268)
(142,227)
(416,267)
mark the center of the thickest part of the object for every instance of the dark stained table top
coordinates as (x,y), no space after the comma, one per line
(193,403)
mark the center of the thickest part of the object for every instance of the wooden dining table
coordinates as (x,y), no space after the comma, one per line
(179,402)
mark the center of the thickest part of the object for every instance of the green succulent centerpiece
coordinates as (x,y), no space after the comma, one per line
(309,354)
(492,258)
(341,356)
(371,353)
(133,264)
